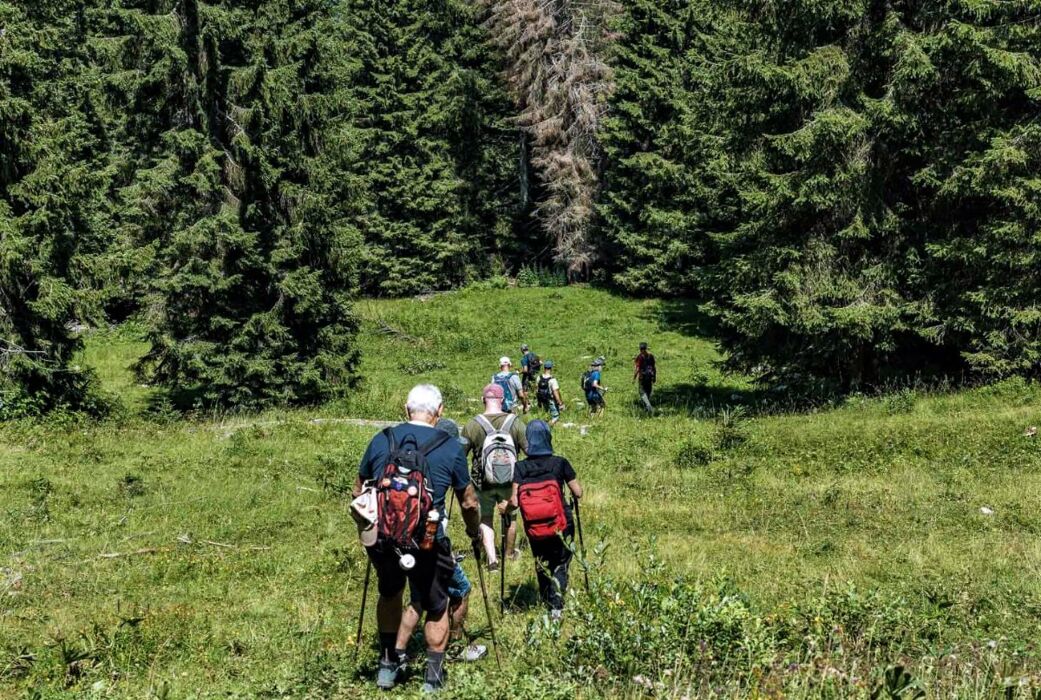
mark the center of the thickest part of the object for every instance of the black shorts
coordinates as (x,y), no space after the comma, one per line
(428,580)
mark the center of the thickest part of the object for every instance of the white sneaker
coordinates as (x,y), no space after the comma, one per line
(473,652)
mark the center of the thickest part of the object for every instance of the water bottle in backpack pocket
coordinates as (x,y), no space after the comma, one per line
(499,453)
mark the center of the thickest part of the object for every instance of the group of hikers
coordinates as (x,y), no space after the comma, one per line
(412,472)
(538,375)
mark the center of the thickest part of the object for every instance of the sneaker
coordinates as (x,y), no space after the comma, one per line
(493,565)
(556,615)
(514,555)
(387,676)
(430,689)
(473,652)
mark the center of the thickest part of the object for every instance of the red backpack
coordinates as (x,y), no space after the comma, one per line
(403,493)
(542,506)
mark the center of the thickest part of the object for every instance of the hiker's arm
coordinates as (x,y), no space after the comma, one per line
(513,503)
(358,483)
(575,488)
(471,509)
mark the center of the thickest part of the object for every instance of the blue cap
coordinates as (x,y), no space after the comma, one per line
(548,364)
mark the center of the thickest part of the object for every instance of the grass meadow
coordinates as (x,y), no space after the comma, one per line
(738,546)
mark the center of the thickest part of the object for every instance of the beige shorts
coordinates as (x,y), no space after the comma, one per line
(491,496)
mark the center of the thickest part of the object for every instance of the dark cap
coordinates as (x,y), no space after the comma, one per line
(643,346)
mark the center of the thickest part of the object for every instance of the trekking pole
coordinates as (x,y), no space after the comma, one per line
(502,567)
(487,606)
(581,539)
(361,612)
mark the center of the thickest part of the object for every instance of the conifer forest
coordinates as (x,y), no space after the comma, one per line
(850,189)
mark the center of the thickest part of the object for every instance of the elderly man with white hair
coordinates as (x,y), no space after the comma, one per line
(392,462)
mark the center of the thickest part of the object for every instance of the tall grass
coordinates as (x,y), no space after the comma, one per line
(869,549)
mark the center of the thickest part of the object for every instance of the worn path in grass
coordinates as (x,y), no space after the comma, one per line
(239,573)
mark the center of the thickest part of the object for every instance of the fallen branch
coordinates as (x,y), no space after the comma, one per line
(136,552)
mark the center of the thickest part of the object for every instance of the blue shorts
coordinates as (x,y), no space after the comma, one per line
(460,586)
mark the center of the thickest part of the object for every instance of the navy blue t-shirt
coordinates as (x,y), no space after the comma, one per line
(446,465)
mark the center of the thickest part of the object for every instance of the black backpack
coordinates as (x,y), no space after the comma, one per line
(647,368)
(542,393)
(587,381)
(534,364)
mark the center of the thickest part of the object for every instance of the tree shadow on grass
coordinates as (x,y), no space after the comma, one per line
(685,316)
(708,400)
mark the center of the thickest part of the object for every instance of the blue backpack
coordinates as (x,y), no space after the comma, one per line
(507,391)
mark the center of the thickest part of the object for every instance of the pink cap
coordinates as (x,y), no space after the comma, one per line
(493,391)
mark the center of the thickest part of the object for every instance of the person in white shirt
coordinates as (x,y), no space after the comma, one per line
(547,393)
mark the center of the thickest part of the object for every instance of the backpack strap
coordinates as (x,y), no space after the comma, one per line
(392,444)
(508,423)
(486,424)
(435,442)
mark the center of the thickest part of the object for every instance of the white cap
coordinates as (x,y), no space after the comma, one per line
(505,361)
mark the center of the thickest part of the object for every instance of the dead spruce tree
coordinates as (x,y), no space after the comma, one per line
(557,72)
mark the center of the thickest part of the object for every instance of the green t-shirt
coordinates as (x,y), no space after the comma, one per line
(473,434)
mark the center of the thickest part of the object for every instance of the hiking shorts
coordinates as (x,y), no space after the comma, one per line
(429,580)
(460,586)
(595,399)
(552,407)
(647,386)
(491,496)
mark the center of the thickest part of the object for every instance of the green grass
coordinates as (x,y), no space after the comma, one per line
(813,550)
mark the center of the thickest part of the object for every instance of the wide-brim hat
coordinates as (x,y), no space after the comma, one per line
(365,514)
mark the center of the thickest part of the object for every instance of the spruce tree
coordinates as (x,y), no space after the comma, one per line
(256,254)
(54,181)
(437,158)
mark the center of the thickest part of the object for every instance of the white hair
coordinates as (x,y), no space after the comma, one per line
(424,398)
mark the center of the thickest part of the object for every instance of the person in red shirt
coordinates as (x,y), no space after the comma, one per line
(646,373)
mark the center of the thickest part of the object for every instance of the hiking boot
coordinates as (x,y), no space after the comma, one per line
(514,555)
(387,675)
(493,565)
(473,652)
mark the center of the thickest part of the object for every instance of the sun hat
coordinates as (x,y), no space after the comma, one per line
(363,509)
(492,391)
(524,347)
(505,361)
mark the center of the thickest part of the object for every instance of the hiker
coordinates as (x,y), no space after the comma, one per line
(494,439)
(408,469)
(547,393)
(594,390)
(530,366)
(512,386)
(538,492)
(458,591)
(646,373)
